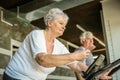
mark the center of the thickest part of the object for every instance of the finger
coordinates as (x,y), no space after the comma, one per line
(108,77)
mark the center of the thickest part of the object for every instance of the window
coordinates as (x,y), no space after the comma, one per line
(14,46)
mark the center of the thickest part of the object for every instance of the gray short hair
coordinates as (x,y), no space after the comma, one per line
(53,14)
(84,35)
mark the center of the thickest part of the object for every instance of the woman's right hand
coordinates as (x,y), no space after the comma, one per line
(80,55)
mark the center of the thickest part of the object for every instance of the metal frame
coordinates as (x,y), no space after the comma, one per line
(5,52)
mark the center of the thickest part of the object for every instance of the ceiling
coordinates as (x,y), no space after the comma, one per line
(85,14)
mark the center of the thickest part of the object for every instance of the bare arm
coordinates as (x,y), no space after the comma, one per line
(49,60)
(78,76)
(78,66)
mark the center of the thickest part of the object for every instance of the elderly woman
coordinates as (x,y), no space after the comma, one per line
(40,53)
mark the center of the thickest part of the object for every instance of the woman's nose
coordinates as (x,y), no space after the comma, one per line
(63,27)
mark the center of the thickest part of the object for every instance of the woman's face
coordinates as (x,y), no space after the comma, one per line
(57,26)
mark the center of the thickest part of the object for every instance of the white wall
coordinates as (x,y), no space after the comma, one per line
(111,15)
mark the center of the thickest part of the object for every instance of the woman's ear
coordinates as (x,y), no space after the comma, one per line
(49,23)
(81,41)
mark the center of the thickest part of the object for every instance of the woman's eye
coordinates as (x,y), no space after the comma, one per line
(61,23)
